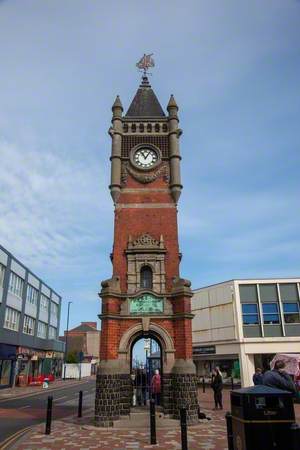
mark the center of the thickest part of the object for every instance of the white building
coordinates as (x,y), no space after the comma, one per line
(241,324)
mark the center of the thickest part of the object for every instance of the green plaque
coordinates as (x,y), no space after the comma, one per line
(146,303)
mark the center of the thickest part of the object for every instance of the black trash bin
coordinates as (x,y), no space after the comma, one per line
(261,418)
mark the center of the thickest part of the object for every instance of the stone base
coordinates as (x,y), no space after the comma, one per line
(167,397)
(114,396)
(107,402)
(125,394)
(184,387)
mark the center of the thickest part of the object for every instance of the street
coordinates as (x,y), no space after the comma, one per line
(19,413)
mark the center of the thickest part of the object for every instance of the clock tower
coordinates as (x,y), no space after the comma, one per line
(145,297)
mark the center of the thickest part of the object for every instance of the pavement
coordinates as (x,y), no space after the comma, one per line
(133,433)
(18,392)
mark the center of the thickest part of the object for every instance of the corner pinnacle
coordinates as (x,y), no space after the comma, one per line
(117,103)
(172,103)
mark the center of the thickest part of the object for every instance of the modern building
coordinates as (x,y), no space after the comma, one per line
(29,324)
(241,324)
(86,339)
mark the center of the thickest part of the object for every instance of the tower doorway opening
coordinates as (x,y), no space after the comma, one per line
(146,359)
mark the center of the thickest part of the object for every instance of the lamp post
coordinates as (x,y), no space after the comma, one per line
(66,347)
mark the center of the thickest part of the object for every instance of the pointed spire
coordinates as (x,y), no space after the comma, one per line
(145,103)
(117,103)
(172,103)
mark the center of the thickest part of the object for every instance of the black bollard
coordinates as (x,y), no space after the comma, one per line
(80,404)
(232,385)
(49,415)
(295,436)
(203,384)
(183,426)
(228,418)
(152,423)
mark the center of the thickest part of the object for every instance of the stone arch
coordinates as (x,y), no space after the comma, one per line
(158,332)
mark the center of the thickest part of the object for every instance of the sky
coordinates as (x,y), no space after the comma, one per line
(234,69)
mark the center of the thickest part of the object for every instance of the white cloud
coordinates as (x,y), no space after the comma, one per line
(52,207)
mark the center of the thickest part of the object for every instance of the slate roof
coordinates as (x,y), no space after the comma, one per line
(145,103)
(83,328)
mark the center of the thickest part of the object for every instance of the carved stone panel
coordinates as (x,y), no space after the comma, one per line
(146,251)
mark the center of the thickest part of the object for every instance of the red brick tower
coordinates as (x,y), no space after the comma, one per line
(145,296)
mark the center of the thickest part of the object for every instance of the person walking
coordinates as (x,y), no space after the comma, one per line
(217,386)
(156,387)
(279,378)
(258,377)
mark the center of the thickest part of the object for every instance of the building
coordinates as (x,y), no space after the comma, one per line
(86,339)
(241,324)
(29,324)
(145,298)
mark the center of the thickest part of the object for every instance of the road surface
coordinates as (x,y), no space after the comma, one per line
(19,413)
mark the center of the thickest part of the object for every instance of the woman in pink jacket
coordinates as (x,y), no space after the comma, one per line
(156,386)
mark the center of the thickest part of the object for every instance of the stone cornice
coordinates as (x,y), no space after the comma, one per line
(178,316)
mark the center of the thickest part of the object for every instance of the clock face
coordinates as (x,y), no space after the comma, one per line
(145,158)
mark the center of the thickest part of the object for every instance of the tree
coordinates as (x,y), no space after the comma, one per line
(72,357)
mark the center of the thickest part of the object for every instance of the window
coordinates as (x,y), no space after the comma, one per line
(28,327)
(146,277)
(12,319)
(15,284)
(270,312)
(157,127)
(52,333)
(149,127)
(141,127)
(291,312)
(133,128)
(2,272)
(250,314)
(44,305)
(42,330)
(32,295)
(54,309)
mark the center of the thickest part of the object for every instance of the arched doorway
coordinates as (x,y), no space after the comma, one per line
(146,357)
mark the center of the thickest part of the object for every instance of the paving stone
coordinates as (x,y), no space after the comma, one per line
(81,434)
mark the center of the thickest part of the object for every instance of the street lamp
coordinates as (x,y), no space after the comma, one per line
(66,346)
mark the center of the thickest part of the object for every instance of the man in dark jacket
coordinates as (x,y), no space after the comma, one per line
(278,378)
(217,386)
(258,377)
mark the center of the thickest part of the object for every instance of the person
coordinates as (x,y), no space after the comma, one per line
(258,377)
(141,386)
(133,385)
(217,386)
(156,386)
(279,378)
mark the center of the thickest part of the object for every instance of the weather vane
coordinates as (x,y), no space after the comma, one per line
(145,63)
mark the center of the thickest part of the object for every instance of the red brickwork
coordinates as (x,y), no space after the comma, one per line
(109,339)
(133,217)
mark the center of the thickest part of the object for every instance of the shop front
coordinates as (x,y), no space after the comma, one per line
(206,359)
(7,364)
(36,365)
